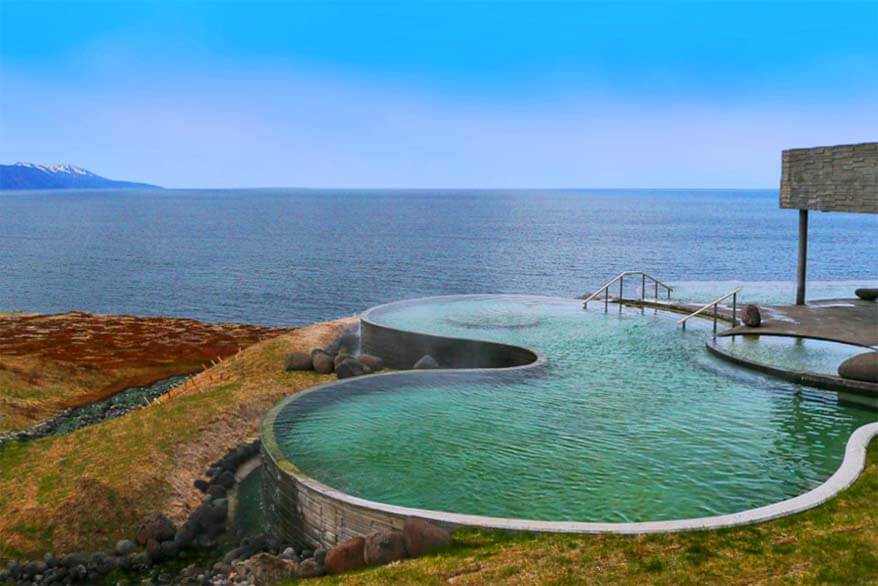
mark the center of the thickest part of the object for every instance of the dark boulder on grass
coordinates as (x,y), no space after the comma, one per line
(426,362)
(158,527)
(422,537)
(346,556)
(323,362)
(867,293)
(374,363)
(862,367)
(124,547)
(341,357)
(298,361)
(384,547)
(349,368)
(751,316)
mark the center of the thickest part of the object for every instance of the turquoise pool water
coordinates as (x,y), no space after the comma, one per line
(630,419)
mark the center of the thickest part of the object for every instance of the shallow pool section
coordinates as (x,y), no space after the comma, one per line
(628,419)
(790,353)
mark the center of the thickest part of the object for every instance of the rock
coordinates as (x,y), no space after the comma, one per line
(226,479)
(168,550)
(235,555)
(323,362)
(862,367)
(348,368)
(422,537)
(374,363)
(341,357)
(346,556)
(218,491)
(74,559)
(50,559)
(426,362)
(289,554)
(264,569)
(140,562)
(78,573)
(310,568)
(125,546)
(157,526)
(751,316)
(185,535)
(298,361)
(154,550)
(383,547)
(320,555)
(201,484)
(867,294)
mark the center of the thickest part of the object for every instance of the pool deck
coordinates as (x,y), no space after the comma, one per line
(852,321)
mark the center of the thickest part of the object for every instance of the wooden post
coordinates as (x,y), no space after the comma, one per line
(803,257)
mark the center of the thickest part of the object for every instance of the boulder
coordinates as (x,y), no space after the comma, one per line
(862,367)
(158,527)
(426,362)
(323,362)
(350,367)
(346,556)
(373,362)
(751,316)
(218,491)
(422,537)
(384,547)
(226,479)
(866,293)
(298,361)
(265,569)
(310,568)
(202,485)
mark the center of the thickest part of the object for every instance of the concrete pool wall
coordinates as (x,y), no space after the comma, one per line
(300,509)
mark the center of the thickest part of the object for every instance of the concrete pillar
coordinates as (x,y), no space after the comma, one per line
(803,257)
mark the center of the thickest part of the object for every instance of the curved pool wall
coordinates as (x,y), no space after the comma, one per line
(300,508)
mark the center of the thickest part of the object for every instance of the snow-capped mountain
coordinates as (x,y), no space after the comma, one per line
(36,176)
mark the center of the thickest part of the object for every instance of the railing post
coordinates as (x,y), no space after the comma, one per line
(606,299)
(734,309)
(656,290)
(642,288)
(714,318)
(621,296)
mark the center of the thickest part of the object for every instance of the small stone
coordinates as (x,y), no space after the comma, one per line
(289,554)
(125,546)
(217,491)
(346,556)
(751,316)
(310,568)
(267,569)
(50,559)
(383,547)
(226,479)
(201,484)
(185,535)
(298,361)
(374,363)
(426,362)
(341,357)
(158,527)
(422,537)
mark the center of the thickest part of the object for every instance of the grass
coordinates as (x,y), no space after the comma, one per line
(89,488)
(834,543)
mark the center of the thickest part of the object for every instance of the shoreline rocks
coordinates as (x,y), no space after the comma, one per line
(862,367)
(751,316)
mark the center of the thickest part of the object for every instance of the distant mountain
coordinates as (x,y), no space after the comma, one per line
(31,176)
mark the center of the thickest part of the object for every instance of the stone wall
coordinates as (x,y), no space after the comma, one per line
(841,178)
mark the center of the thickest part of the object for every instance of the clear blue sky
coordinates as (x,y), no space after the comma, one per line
(430,94)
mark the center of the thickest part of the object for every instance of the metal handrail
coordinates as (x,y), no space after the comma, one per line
(714,303)
(605,289)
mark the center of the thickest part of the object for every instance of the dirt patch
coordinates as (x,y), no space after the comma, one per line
(51,362)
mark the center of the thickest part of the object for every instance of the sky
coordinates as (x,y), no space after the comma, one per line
(435,94)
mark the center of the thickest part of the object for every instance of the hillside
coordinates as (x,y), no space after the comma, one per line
(32,176)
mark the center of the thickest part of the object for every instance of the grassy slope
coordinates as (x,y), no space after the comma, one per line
(89,488)
(837,543)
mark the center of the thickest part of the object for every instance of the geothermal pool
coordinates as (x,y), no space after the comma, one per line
(628,419)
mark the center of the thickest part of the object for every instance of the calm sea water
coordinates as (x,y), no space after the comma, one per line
(292,256)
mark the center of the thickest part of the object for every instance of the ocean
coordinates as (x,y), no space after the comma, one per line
(295,256)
